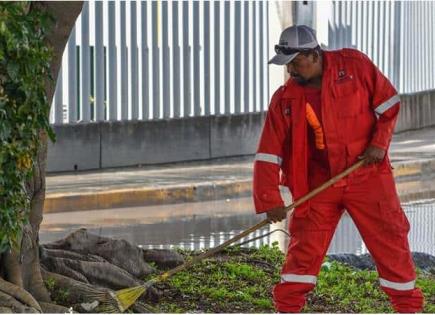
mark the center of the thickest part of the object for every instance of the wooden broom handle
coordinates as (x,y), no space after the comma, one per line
(259,225)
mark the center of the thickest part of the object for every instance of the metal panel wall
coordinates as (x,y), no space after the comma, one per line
(164,59)
(397,35)
(123,62)
(72,77)
(134,86)
(99,63)
(85,69)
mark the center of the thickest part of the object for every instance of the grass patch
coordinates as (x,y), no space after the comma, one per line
(58,295)
(241,280)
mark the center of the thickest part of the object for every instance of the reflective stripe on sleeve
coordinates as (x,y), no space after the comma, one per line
(266,157)
(289,277)
(382,108)
(401,286)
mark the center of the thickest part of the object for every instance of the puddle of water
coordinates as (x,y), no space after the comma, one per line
(205,231)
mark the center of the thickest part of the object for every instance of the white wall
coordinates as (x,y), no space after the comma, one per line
(278,13)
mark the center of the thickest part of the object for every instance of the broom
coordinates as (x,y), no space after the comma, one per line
(121,300)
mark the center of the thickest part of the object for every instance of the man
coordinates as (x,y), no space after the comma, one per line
(335,109)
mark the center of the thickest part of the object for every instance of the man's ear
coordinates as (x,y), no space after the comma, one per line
(316,56)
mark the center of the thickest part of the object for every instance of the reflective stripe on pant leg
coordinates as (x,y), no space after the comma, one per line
(310,238)
(401,286)
(289,277)
(375,208)
(404,296)
(289,294)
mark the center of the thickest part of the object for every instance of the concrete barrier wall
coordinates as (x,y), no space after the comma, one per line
(161,141)
(116,144)
(77,147)
(417,111)
(128,143)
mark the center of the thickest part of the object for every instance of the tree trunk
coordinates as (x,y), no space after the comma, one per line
(21,267)
(65,15)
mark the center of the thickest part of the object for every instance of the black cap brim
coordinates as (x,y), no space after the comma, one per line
(281,59)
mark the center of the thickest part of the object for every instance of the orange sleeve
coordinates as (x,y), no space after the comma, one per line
(385,102)
(269,157)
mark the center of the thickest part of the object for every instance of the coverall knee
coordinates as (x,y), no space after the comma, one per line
(375,208)
(310,237)
(373,204)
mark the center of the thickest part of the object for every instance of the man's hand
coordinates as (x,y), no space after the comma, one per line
(276,215)
(373,155)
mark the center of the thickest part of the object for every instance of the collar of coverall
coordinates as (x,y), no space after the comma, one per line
(327,64)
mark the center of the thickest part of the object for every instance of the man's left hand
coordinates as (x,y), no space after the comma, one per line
(373,155)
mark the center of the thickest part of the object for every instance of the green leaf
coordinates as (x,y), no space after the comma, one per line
(13,69)
(24,69)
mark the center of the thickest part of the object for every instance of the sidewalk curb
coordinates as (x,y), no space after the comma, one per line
(61,202)
(146,196)
(414,168)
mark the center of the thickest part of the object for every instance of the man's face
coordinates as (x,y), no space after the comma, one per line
(302,68)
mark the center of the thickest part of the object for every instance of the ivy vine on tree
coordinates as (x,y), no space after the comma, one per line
(24,109)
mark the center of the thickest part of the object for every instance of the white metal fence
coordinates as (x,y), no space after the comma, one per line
(397,35)
(164,59)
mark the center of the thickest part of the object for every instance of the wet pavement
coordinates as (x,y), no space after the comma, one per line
(416,145)
(227,208)
(412,154)
(188,226)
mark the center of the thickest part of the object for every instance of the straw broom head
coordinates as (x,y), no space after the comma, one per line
(127,297)
(120,301)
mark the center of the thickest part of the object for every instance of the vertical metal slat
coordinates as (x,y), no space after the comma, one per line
(217,66)
(207,58)
(237,57)
(72,77)
(85,65)
(166,61)
(256,105)
(134,77)
(227,46)
(124,64)
(145,62)
(113,72)
(397,44)
(431,51)
(262,61)
(58,99)
(186,60)
(196,61)
(156,61)
(99,62)
(176,59)
(246,51)
(267,55)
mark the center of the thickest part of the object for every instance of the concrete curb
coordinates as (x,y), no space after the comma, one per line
(61,202)
(146,196)
(404,170)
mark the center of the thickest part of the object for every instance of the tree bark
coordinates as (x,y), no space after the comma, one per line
(19,294)
(65,15)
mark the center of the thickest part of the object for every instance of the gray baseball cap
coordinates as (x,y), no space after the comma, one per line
(292,39)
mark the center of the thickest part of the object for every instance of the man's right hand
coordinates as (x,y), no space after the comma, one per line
(276,214)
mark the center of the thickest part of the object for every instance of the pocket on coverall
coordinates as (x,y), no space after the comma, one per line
(347,99)
(394,219)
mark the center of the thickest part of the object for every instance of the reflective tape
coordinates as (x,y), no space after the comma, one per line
(289,277)
(401,286)
(387,104)
(266,157)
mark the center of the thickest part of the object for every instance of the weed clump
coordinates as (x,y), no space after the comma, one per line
(240,280)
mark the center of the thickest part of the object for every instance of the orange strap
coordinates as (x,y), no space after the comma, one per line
(315,124)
